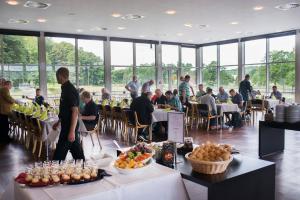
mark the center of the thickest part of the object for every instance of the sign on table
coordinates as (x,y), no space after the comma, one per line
(176,126)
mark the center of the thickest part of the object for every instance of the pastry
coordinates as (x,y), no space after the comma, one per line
(28,178)
(45,180)
(35,180)
(86,176)
(65,177)
(94,174)
(55,179)
(76,177)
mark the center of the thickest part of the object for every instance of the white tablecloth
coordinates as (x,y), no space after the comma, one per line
(272,102)
(157,182)
(160,115)
(228,107)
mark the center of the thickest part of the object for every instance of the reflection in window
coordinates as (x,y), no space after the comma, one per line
(60,52)
(91,65)
(20,63)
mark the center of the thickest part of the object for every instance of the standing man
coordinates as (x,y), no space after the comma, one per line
(146,86)
(186,86)
(6,102)
(133,87)
(68,118)
(245,88)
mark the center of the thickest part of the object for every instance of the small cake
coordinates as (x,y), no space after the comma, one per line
(86,176)
(76,177)
(28,178)
(55,179)
(94,174)
(35,180)
(65,177)
(45,180)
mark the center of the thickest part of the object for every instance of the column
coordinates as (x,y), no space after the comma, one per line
(218,67)
(107,65)
(179,66)
(297,68)
(76,64)
(158,64)
(42,64)
(2,55)
(241,50)
(267,65)
(134,58)
(198,71)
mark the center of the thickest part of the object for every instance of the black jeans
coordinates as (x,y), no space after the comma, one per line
(63,146)
(4,129)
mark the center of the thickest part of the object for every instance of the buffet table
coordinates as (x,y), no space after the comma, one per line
(271,136)
(158,182)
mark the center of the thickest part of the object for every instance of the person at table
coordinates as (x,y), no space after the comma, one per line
(222,95)
(172,101)
(275,93)
(236,98)
(2,81)
(159,98)
(105,94)
(6,103)
(184,101)
(90,111)
(68,118)
(144,109)
(255,93)
(245,88)
(209,100)
(146,88)
(133,87)
(201,91)
(185,86)
(38,99)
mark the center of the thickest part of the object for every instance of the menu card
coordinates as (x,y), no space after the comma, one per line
(176,127)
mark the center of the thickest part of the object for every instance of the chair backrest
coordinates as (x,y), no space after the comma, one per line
(258,103)
(203,107)
(129,116)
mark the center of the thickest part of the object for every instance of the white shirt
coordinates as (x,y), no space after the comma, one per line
(210,101)
(134,86)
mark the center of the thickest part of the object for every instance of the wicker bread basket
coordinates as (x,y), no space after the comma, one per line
(208,167)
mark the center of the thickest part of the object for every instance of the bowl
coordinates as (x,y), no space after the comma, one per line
(134,170)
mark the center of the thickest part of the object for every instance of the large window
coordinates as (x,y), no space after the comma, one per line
(282,65)
(60,52)
(145,62)
(170,66)
(188,63)
(19,63)
(209,71)
(121,63)
(255,60)
(91,65)
(228,66)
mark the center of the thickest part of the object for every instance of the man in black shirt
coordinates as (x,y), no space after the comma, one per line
(160,98)
(90,111)
(38,99)
(245,88)
(68,118)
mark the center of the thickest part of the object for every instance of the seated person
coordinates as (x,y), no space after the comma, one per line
(38,99)
(144,108)
(160,98)
(173,102)
(105,94)
(201,91)
(254,93)
(236,120)
(209,100)
(236,98)
(90,111)
(275,93)
(222,96)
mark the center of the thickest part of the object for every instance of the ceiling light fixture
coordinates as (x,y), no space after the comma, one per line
(238,32)
(234,23)
(188,25)
(41,20)
(133,17)
(116,15)
(258,8)
(170,12)
(142,36)
(79,30)
(34,4)
(12,2)
(18,21)
(96,28)
(121,28)
(202,26)
(287,6)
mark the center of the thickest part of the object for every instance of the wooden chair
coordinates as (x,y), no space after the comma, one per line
(192,114)
(108,119)
(117,118)
(37,136)
(204,113)
(95,131)
(258,105)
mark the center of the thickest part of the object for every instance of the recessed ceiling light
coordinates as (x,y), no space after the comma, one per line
(133,17)
(257,8)
(116,15)
(170,12)
(234,23)
(34,4)
(121,28)
(12,2)
(179,34)
(41,20)
(18,21)
(96,28)
(188,25)
(141,36)
(287,6)
(202,26)
(238,32)
(79,30)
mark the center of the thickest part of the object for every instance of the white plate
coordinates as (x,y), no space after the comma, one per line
(135,170)
(102,160)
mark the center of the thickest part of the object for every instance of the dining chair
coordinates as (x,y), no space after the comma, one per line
(205,114)
(258,105)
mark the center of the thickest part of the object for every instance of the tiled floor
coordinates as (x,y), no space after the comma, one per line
(13,157)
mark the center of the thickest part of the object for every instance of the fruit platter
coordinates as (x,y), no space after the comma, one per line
(53,173)
(136,159)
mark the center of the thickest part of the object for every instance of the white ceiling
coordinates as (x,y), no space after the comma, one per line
(156,25)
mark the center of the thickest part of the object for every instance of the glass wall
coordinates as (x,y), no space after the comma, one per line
(145,62)
(121,65)
(19,63)
(60,52)
(170,54)
(209,71)
(229,66)
(188,63)
(282,65)
(91,65)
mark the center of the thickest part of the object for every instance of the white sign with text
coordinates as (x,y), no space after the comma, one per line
(176,127)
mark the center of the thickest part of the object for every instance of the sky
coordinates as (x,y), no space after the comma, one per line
(121,52)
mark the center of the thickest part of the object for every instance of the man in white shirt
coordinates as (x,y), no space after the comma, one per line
(133,87)
(146,86)
(211,102)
